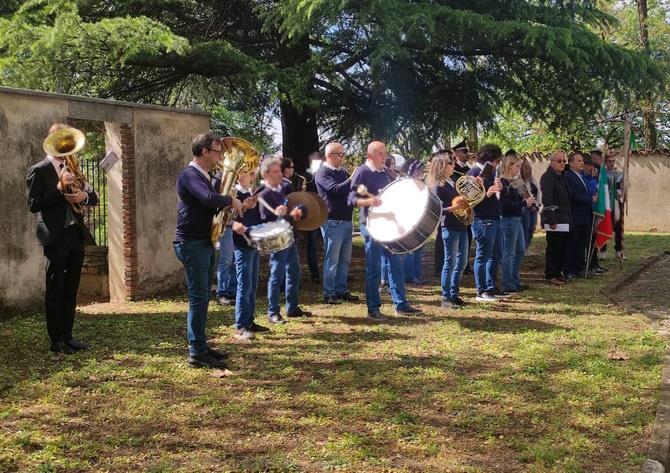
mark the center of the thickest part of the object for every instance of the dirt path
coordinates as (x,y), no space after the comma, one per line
(649,294)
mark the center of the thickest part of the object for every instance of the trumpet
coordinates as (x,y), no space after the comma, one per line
(66,143)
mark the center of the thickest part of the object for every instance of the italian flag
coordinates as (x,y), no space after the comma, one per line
(603,211)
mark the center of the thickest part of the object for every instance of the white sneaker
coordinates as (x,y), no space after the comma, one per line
(486,297)
(244,334)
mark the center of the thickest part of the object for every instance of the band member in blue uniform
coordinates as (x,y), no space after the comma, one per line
(334,184)
(373,175)
(197,203)
(454,233)
(284,264)
(486,225)
(247,261)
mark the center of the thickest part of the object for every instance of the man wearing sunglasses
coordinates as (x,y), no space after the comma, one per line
(555,217)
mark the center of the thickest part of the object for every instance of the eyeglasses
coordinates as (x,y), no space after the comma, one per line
(341,155)
(215,150)
(560,161)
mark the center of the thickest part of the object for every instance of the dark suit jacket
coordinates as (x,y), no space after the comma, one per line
(555,192)
(48,203)
(581,203)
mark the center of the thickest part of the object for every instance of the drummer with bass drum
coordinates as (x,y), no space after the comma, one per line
(373,175)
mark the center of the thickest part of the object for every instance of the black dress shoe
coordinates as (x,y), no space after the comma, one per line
(255,328)
(61,347)
(298,312)
(334,300)
(276,319)
(349,297)
(205,361)
(76,345)
(217,355)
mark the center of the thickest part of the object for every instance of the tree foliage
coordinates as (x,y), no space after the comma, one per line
(405,71)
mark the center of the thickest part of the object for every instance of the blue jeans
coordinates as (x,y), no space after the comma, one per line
(412,266)
(225,270)
(337,256)
(284,270)
(374,252)
(514,247)
(197,256)
(456,247)
(246,266)
(529,222)
(488,249)
(385,268)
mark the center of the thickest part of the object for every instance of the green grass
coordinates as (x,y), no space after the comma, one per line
(525,385)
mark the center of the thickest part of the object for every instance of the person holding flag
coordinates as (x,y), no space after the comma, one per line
(602,211)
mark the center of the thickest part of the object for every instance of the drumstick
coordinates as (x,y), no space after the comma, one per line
(266,205)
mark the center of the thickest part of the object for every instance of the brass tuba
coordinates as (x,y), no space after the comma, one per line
(65,143)
(472,191)
(238,156)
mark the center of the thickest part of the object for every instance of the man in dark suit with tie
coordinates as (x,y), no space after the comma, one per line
(61,232)
(581,210)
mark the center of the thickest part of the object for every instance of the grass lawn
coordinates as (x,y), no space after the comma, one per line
(523,385)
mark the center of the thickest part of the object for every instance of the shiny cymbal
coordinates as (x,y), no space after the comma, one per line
(317,212)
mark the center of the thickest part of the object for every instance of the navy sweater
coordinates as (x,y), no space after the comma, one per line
(511,202)
(373,180)
(334,186)
(249,218)
(446,193)
(197,203)
(489,208)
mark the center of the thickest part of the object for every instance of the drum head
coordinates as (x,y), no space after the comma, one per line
(403,204)
(269,229)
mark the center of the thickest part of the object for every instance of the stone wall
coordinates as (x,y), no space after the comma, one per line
(153,144)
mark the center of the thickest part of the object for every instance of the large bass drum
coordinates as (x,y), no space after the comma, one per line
(408,215)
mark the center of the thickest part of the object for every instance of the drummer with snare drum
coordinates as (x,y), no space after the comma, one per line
(373,175)
(246,258)
(275,197)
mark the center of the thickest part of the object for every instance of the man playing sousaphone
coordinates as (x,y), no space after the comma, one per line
(197,203)
(56,193)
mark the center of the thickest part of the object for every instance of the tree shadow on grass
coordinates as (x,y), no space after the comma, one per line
(505,325)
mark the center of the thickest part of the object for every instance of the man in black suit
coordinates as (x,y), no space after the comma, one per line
(60,231)
(581,210)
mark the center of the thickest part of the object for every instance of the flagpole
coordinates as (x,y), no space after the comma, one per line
(592,244)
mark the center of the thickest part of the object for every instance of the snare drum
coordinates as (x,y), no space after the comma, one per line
(408,215)
(272,236)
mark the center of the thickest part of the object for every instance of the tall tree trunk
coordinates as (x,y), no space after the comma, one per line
(300,132)
(473,137)
(648,104)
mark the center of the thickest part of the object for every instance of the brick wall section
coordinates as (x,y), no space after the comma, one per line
(129,212)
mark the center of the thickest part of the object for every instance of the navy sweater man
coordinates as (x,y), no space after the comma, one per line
(334,185)
(375,177)
(197,203)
